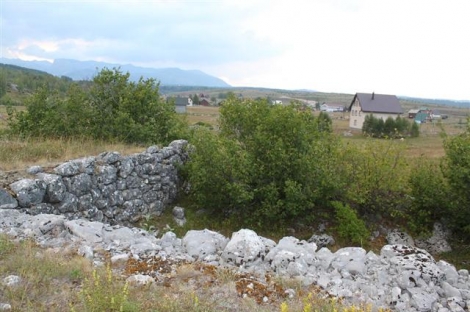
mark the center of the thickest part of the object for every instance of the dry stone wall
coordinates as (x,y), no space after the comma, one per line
(109,188)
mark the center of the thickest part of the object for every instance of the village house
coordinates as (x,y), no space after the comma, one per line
(379,105)
(331,107)
(204,102)
(412,113)
(181,103)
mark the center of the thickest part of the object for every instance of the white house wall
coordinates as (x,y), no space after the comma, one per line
(357,116)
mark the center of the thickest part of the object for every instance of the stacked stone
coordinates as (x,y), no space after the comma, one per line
(109,188)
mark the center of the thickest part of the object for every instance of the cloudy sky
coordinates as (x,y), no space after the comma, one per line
(404,47)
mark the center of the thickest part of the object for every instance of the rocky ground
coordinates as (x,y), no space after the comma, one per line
(400,277)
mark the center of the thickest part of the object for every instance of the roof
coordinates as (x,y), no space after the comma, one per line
(413,111)
(181,101)
(421,116)
(378,103)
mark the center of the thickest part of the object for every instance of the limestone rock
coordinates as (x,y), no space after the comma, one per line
(244,247)
(437,243)
(178,216)
(11,280)
(34,170)
(201,244)
(322,240)
(395,237)
(6,200)
(140,280)
(55,190)
(29,192)
(69,168)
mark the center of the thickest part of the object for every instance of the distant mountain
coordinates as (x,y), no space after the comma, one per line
(86,70)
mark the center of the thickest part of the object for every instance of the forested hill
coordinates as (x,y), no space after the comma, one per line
(85,70)
(17,82)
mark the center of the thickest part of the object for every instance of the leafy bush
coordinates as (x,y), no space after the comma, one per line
(112,108)
(269,163)
(431,197)
(375,174)
(350,226)
(457,172)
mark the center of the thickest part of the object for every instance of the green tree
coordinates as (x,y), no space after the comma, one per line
(430,196)
(376,175)
(414,130)
(112,108)
(269,163)
(389,127)
(457,172)
(195,99)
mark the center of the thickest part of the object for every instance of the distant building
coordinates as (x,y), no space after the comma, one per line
(181,103)
(412,113)
(204,102)
(331,107)
(379,105)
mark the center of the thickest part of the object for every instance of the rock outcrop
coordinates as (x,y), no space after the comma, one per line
(400,277)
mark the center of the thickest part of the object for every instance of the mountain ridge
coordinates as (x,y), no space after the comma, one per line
(85,70)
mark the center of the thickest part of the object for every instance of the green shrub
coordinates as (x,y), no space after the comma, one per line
(376,174)
(111,108)
(457,173)
(350,227)
(430,196)
(269,163)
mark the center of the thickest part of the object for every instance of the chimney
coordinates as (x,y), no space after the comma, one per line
(373,93)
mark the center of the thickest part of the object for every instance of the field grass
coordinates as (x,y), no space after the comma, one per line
(18,154)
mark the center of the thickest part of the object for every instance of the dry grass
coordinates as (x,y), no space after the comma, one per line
(18,154)
(206,114)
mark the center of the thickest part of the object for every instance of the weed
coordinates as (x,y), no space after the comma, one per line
(5,245)
(102,292)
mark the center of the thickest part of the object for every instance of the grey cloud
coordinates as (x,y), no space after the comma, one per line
(180,32)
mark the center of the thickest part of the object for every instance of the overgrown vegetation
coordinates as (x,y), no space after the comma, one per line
(390,128)
(264,165)
(277,166)
(112,108)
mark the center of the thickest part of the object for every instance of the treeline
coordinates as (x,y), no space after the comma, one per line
(390,128)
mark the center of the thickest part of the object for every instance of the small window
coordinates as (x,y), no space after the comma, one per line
(355,122)
(359,113)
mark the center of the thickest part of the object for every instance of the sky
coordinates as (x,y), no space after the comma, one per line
(415,48)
